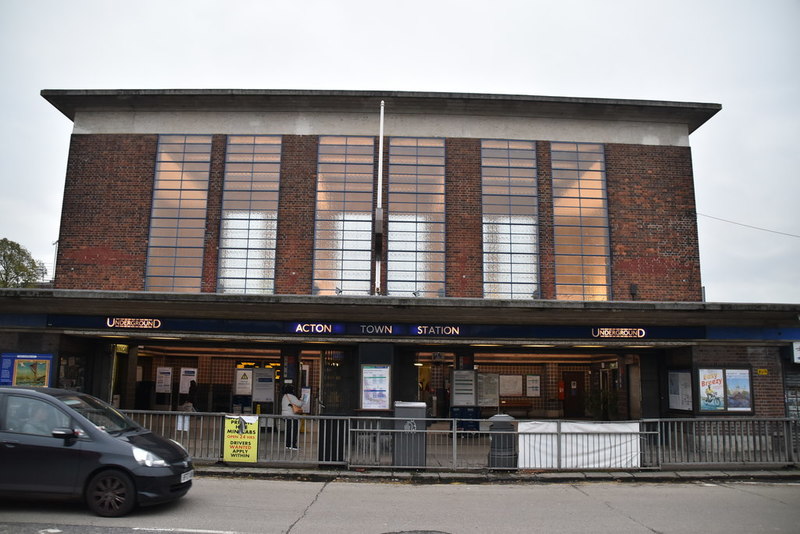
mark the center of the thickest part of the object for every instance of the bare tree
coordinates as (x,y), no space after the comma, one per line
(17,266)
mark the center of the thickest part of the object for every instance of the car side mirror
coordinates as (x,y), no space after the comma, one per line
(65,433)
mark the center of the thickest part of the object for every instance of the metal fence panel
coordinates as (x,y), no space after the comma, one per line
(463,445)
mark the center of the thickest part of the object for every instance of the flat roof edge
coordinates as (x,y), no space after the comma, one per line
(69,101)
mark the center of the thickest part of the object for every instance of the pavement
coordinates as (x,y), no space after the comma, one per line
(770,473)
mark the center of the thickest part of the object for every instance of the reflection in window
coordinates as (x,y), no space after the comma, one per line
(178,218)
(33,416)
(508,172)
(249,219)
(580,221)
(416,240)
(343,225)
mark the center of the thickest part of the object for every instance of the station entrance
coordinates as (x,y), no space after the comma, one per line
(525,383)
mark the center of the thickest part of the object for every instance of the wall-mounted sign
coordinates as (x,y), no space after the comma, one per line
(533,385)
(464,388)
(488,389)
(164,380)
(619,332)
(132,322)
(243,382)
(375,381)
(796,352)
(510,385)
(264,385)
(680,390)
(436,330)
(32,370)
(188,375)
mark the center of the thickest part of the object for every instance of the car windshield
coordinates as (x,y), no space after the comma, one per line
(98,412)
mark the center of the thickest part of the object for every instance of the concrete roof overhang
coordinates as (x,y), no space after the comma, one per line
(377,309)
(71,101)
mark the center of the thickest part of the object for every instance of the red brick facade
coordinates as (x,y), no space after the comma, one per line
(105,218)
(652,222)
(108,193)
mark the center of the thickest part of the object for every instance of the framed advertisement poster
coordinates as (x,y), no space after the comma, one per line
(725,390)
(712,390)
(375,381)
(737,390)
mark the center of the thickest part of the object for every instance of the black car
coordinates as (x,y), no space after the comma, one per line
(59,443)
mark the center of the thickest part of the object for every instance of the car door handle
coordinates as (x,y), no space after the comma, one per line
(9,444)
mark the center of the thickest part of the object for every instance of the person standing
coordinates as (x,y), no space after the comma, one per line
(291,407)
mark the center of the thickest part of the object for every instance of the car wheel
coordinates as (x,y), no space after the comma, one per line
(111,494)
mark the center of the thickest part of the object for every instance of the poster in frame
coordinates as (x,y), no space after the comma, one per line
(29,370)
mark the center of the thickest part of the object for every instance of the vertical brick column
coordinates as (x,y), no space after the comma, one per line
(464,228)
(295,247)
(547,268)
(105,218)
(653,223)
(216,181)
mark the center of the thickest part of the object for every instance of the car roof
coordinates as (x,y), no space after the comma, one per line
(51,392)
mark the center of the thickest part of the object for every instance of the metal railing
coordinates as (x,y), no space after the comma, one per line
(463,445)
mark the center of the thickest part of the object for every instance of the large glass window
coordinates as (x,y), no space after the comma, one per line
(416,239)
(508,175)
(580,221)
(178,218)
(343,225)
(248,228)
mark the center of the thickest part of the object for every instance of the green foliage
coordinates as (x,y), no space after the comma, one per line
(17,266)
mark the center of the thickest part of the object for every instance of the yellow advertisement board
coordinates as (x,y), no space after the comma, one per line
(241,438)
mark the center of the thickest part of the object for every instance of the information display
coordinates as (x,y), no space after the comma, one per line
(488,389)
(464,393)
(533,385)
(375,381)
(164,380)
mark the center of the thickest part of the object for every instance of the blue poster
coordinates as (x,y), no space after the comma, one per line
(30,370)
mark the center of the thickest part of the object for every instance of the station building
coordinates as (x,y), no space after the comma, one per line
(536,256)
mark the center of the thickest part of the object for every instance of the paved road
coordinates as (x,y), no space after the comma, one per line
(222,505)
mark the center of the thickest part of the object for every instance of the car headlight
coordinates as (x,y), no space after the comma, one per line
(147,458)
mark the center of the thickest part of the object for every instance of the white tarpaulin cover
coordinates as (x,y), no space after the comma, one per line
(580,445)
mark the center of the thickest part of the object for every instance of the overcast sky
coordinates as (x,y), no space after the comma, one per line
(744,55)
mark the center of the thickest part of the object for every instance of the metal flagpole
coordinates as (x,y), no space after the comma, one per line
(378,223)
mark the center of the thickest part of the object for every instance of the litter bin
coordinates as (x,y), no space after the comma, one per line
(503,446)
(408,445)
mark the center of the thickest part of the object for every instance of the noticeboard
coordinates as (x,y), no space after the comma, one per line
(375,381)
(31,370)
(488,389)
(464,393)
